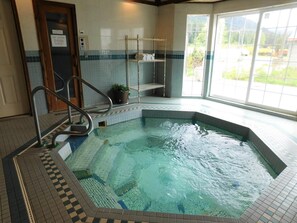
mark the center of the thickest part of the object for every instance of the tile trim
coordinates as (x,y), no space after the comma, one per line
(79,215)
(94,55)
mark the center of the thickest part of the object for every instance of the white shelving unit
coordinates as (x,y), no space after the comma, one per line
(145,86)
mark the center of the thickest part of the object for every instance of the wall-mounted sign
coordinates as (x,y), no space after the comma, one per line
(57,31)
(59,40)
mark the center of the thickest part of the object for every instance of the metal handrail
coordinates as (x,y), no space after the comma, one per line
(59,77)
(37,125)
(92,87)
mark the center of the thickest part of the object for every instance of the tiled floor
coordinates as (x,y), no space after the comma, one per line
(14,134)
(54,195)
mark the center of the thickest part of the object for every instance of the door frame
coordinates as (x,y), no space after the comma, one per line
(46,76)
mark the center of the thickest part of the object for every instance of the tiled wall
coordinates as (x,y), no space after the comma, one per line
(36,79)
(106,23)
(104,68)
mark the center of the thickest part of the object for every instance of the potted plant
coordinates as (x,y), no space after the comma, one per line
(120,93)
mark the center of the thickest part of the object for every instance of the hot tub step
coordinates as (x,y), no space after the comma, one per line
(82,174)
(101,194)
(126,188)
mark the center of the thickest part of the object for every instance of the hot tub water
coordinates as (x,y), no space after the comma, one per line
(175,166)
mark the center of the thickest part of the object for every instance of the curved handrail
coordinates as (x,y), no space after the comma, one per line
(92,87)
(35,115)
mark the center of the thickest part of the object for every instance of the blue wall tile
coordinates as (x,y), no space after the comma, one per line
(102,68)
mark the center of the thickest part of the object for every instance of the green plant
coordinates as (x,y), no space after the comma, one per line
(236,75)
(284,76)
(120,93)
(119,88)
(198,55)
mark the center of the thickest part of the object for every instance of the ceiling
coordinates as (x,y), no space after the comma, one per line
(165,2)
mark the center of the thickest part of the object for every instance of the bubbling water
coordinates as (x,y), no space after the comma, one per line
(178,166)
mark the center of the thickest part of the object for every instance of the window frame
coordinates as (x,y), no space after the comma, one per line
(246,103)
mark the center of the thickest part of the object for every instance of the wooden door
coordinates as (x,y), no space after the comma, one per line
(59,50)
(13,93)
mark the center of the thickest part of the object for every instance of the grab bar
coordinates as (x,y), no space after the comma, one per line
(92,87)
(37,125)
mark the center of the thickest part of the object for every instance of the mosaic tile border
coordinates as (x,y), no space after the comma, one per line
(69,200)
(265,209)
(17,207)
(71,203)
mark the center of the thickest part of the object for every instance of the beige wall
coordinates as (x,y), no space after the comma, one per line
(105,22)
(165,27)
(27,23)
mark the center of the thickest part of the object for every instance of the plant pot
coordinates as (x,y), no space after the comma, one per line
(121,97)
